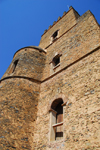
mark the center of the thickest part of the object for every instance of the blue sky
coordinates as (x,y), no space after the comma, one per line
(22,22)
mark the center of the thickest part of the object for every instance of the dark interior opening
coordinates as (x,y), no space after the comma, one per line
(57,106)
(59,110)
(56,102)
(55,34)
(56,60)
(15,64)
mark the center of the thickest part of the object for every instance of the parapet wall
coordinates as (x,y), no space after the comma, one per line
(63,25)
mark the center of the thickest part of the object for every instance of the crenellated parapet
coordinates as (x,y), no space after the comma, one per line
(60,17)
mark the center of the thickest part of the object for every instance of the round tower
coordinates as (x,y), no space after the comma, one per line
(19,93)
(28,62)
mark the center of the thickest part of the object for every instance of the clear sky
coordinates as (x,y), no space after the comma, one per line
(22,22)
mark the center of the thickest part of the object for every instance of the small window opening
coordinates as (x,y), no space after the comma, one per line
(12,69)
(56,116)
(56,60)
(54,36)
(15,64)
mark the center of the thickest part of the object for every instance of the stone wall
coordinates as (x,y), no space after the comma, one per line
(31,63)
(19,94)
(79,41)
(80,84)
(26,94)
(18,109)
(63,25)
(77,79)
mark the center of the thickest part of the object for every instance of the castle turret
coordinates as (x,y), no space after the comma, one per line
(28,62)
(19,94)
(50,96)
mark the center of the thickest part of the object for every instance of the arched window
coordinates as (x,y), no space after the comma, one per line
(56,120)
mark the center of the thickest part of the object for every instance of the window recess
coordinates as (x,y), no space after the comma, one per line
(13,67)
(55,61)
(56,120)
(54,36)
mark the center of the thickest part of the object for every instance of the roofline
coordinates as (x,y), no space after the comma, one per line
(34,47)
(60,19)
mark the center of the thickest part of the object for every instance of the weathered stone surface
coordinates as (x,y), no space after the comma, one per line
(18,109)
(31,64)
(26,94)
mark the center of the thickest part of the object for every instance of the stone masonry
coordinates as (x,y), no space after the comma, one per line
(66,66)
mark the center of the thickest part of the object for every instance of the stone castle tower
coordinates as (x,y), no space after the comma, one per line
(50,95)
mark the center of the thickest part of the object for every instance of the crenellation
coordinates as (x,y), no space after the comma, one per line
(64,13)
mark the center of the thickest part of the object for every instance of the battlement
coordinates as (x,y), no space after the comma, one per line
(60,17)
(62,25)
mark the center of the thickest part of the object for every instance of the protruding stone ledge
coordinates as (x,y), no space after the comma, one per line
(22,77)
(57,124)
